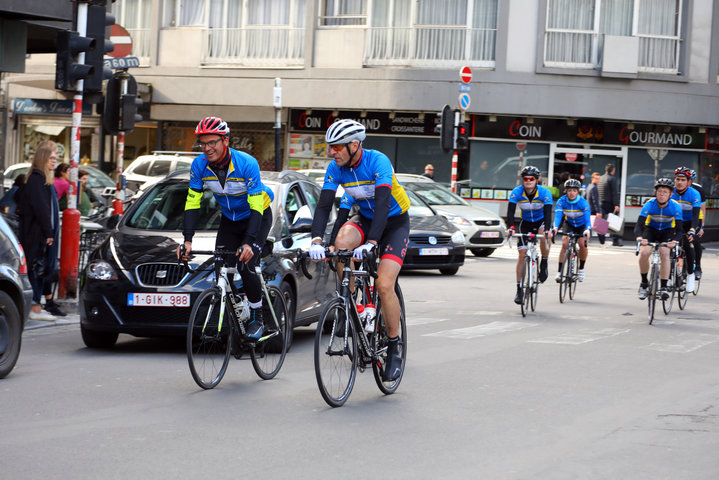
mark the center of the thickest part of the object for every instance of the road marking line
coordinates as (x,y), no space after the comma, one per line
(582,336)
(687,344)
(483,330)
(425,320)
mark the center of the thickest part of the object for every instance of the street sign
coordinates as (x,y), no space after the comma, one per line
(465,74)
(464,101)
(122,41)
(521,146)
(122,63)
(570,156)
(465,87)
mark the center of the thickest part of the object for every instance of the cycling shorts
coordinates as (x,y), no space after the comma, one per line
(527,227)
(654,235)
(395,238)
(572,229)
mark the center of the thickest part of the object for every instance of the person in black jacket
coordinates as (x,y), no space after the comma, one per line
(595,207)
(39,217)
(609,198)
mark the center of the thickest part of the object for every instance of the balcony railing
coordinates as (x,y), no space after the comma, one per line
(430,46)
(254,46)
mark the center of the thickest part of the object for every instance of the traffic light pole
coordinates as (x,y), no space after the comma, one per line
(70,250)
(119,201)
(455,156)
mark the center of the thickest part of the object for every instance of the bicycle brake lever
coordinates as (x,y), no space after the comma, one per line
(302,264)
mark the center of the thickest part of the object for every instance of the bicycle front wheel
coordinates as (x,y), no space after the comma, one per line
(335,354)
(652,298)
(208,339)
(526,285)
(669,302)
(534,290)
(572,274)
(565,278)
(379,342)
(268,353)
(682,294)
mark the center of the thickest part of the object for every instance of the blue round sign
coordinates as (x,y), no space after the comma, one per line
(464,101)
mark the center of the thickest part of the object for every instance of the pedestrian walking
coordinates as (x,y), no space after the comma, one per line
(609,198)
(595,207)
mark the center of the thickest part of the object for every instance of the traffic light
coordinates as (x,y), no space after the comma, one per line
(97,21)
(129,104)
(446,132)
(67,69)
(121,104)
(462,136)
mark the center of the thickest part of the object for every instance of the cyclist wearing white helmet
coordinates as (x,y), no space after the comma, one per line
(234,179)
(574,210)
(383,222)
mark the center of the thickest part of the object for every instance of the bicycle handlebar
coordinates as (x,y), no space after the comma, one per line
(650,244)
(531,236)
(214,253)
(368,262)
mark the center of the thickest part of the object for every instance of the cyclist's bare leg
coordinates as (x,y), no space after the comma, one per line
(583,252)
(565,244)
(520,263)
(348,238)
(543,243)
(665,266)
(387,273)
(644,253)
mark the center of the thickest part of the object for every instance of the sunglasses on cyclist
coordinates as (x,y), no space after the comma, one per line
(528,179)
(338,147)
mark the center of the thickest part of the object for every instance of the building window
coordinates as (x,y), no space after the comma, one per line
(343,12)
(135,16)
(431,33)
(245,32)
(575,29)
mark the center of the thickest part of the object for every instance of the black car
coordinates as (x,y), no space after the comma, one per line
(132,279)
(434,242)
(15,298)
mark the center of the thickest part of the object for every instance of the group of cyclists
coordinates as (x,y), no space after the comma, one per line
(675,214)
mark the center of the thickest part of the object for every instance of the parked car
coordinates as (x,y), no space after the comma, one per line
(101,186)
(139,257)
(484,231)
(154,167)
(316,174)
(15,298)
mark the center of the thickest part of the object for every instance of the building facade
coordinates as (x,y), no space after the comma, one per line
(566,85)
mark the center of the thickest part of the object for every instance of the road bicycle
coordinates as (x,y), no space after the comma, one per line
(653,289)
(347,340)
(570,266)
(530,273)
(678,278)
(216,329)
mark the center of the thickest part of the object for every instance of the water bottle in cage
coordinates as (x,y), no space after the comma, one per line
(370,313)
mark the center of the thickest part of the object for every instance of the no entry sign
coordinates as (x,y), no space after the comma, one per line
(465,74)
(122,41)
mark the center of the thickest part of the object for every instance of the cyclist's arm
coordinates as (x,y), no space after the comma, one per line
(547,216)
(511,207)
(558,214)
(322,213)
(640,227)
(382,197)
(192,213)
(257,204)
(695,217)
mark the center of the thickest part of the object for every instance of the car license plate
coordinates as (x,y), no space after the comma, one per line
(158,299)
(434,251)
(489,234)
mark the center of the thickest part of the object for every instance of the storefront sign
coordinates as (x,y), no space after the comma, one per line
(30,106)
(389,123)
(595,132)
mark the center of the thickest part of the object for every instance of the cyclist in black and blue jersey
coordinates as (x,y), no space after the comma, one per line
(574,210)
(535,205)
(690,201)
(383,222)
(234,179)
(700,228)
(659,221)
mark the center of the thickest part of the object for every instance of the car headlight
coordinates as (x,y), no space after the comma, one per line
(458,238)
(459,220)
(101,270)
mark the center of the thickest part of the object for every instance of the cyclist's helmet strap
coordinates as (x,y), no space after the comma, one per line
(212,126)
(572,183)
(530,171)
(664,182)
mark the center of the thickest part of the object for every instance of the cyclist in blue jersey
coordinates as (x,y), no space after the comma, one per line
(690,201)
(574,210)
(383,222)
(659,221)
(234,179)
(700,229)
(535,205)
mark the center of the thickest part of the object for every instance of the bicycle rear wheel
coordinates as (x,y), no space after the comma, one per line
(534,290)
(697,281)
(682,294)
(208,339)
(565,278)
(379,342)
(572,274)
(526,285)
(269,352)
(667,304)
(335,354)
(652,298)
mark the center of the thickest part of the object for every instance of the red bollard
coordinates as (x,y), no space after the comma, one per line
(117,205)
(69,253)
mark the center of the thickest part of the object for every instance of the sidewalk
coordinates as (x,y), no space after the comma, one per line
(69,306)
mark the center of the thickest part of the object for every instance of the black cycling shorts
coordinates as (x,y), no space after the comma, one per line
(572,229)
(527,227)
(395,238)
(657,236)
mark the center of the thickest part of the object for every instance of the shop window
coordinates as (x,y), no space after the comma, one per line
(496,165)
(646,165)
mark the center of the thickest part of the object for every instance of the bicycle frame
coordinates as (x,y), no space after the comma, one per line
(345,294)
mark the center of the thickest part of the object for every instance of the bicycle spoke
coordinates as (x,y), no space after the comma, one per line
(335,354)
(208,340)
(268,353)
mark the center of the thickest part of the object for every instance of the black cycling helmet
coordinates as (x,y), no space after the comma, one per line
(664,182)
(530,171)
(572,183)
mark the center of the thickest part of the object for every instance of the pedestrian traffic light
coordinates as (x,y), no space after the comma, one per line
(446,132)
(462,136)
(129,105)
(67,68)
(97,22)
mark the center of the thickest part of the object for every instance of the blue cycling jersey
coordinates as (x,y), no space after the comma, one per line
(531,211)
(374,170)
(576,212)
(688,200)
(243,189)
(661,218)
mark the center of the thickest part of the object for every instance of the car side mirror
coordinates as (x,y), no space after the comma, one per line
(302,223)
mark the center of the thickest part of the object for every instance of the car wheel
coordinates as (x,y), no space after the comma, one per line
(289,295)
(96,339)
(481,252)
(449,271)
(10,334)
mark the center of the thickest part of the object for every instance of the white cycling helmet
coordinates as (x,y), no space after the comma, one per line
(345,131)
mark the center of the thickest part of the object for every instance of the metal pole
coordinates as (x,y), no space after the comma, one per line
(119,201)
(277,102)
(454,153)
(70,249)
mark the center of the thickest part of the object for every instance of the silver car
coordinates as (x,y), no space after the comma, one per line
(483,230)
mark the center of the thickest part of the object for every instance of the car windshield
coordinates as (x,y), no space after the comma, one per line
(163,208)
(97,179)
(435,194)
(417,207)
